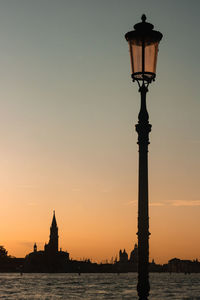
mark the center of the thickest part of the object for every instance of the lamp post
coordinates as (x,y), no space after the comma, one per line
(143,46)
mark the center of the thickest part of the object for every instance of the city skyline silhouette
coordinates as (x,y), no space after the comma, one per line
(52,259)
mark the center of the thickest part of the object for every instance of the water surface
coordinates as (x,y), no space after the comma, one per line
(96,286)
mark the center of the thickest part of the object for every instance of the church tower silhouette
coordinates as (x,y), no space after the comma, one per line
(52,246)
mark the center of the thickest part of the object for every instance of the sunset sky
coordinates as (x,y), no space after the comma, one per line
(68,110)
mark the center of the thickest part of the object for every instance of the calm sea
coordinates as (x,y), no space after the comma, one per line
(96,286)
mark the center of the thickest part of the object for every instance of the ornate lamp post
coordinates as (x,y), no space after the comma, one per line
(143,45)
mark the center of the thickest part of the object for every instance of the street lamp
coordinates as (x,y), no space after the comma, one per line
(143,46)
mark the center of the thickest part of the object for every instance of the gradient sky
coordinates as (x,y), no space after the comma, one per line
(67,114)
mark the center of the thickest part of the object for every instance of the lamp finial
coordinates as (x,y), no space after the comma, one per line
(143,18)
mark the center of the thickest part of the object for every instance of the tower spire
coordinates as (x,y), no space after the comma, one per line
(54,223)
(53,239)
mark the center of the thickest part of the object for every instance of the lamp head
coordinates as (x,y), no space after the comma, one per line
(143,45)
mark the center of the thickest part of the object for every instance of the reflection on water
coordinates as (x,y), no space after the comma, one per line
(96,286)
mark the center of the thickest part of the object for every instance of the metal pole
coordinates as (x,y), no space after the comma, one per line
(143,128)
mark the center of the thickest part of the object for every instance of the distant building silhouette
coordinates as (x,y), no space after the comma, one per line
(123,256)
(184,266)
(126,264)
(134,255)
(50,259)
(52,246)
(35,248)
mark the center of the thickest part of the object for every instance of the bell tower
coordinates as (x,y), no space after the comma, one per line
(53,238)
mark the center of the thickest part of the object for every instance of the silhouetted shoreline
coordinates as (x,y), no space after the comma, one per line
(13,265)
(53,260)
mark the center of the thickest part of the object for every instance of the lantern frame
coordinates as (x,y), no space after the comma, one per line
(142,37)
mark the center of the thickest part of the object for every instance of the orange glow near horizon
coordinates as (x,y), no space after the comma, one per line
(99,230)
